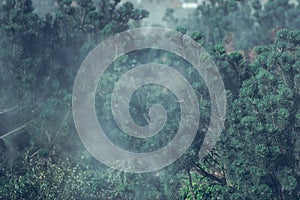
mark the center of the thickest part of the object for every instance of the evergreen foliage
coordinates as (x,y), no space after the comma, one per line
(258,155)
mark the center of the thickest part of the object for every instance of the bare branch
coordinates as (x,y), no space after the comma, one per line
(9,145)
(35,153)
(3,111)
(14,131)
(8,110)
(61,125)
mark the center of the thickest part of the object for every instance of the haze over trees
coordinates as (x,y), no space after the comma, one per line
(257,50)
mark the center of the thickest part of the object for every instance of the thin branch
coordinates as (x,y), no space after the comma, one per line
(8,110)
(82,19)
(48,78)
(2,111)
(147,118)
(8,143)
(14,131)
(35,153)
(61,125)
(191,184)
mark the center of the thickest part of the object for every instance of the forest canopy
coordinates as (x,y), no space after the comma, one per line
(256,48)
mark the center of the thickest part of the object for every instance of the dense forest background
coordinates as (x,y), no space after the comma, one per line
(256,48)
